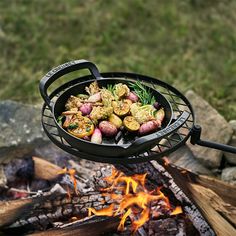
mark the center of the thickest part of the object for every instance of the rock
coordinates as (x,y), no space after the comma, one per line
(231,157)
(214,128)
(3,179)
(184,158)
(232,123)
(229,175)
(21,129)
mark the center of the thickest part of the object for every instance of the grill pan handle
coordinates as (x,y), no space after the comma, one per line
(61,70)
(147,141)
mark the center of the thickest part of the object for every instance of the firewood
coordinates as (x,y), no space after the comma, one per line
(89,226)
(10,211)
(212,210)
(44,169)
(226,191)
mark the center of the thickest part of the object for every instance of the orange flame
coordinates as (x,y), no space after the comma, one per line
(176,211)
(71,173)
(131,199)
(105,211)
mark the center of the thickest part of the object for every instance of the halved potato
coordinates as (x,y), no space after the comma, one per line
(128,101)
(121,90)
(116,120)
(131,124)
(121,108)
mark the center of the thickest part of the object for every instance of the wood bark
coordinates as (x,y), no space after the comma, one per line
(89,226)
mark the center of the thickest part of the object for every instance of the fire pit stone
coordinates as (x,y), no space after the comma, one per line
(215,128)
(20,128)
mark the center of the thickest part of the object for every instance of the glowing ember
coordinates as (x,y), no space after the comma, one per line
(166,161)
(133,200)
(176,211)
(71,173)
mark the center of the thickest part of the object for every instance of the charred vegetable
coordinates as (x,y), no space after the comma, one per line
(81,126)
(100,113)
(93,88)
(121,108)
(114,119)
(121,90)
(142,113)
(73,102)
(131,124)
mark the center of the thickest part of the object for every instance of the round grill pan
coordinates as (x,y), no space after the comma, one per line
(177,126)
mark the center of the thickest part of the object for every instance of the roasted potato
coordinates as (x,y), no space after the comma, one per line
(107,128)
(133,97)
(114,119)
(121,108)
(131,124)
(86,108)
(121,90)
(160,115)
(149,127)
(128,101)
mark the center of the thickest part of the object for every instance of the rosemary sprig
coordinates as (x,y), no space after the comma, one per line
(111,88)
(143,93)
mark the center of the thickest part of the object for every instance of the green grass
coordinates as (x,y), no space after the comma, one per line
(188,43)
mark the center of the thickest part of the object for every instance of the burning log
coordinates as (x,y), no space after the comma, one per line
(45,170)
(89,226)
(212,207)
(43,210)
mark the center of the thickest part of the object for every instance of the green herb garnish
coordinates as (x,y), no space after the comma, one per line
(143,93)
(73,126)
(59,120)
(111,88)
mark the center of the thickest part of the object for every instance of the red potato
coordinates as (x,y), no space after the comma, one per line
(86,108)
(107,128)
(149,127)
(133,97)
(96,136)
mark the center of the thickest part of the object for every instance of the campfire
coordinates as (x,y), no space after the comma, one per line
(84,198)
(132,199)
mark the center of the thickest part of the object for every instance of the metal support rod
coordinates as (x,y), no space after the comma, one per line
(195,139)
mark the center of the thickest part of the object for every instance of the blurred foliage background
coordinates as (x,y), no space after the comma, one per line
(188,43)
